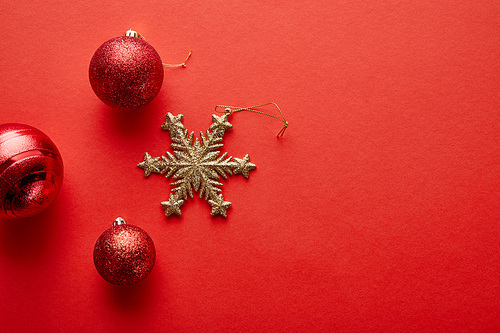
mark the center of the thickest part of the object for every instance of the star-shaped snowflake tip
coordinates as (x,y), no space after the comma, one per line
(150,165)
(196,165)
(173,205)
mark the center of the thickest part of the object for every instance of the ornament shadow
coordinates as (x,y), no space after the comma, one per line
(220,220)
(29,240)
(130,123)
(172,219)
(130,299)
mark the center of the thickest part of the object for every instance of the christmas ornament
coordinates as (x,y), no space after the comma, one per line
(126,72)
(198,166)
(124,254)
(31,171)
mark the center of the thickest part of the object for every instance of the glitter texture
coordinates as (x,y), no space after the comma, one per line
(124,254)
(196,166)
(126,72)
(31,171)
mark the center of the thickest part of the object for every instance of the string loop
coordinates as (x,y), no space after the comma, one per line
(133,33)
(183,64)
(231,109)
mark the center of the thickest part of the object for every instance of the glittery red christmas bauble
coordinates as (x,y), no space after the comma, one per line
(126,72)
(31,171)
(124,254)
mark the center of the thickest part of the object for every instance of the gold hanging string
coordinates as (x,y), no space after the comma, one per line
(133,33)
(178,65)
(231,109)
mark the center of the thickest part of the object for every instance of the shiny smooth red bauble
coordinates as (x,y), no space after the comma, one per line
(126,72)
(124,254)
(31,171)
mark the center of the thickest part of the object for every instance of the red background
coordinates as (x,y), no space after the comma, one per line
(377,211)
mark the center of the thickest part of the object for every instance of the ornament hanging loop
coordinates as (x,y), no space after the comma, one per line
(133,33)
(231,109)
(119,221)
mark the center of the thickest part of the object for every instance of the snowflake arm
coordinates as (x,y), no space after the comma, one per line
(151,165)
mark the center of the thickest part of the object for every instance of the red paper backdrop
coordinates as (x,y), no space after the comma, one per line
(378,210)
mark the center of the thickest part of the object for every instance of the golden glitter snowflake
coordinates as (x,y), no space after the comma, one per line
(196,166)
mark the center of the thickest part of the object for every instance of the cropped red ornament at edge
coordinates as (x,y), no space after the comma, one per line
(31,171)
(126,72)
(124,254)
